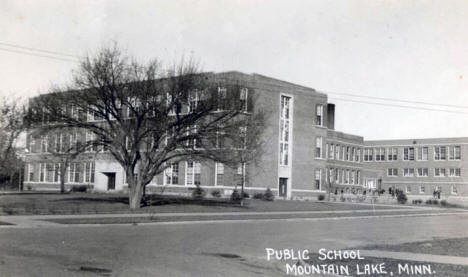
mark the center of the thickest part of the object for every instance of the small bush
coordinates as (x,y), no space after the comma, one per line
(258,195)
(444,203)
(235,196)
(216,193)
(321,197)
(245,195)
(435,202)
(401,198)
(198,193)
(268,195)
(81,188)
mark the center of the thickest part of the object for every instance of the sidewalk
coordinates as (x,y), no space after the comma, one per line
(34,221)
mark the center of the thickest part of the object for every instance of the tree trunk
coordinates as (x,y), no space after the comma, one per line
(135,191)
(63,171)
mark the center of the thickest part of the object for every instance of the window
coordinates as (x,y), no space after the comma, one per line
(358,177)
(408,189)
(422,189)
(380,154)
(392,154)
(89,172)
(368,154)
(285,130)
(30,176)
(219,167)
(244,93)
(337,151)
(50,172)
(454,190)
(408,172)
(392,172)
(422,172)
(455,172)
(318,177)
(454,153)
(440,153)
(192,141)
(57,172)
(439,172)
(193,101)
(347,177)
(353,154)
(42,172)
(331,153)
(75,173)
(423,153)
(353,177)
(193,174)
(319,115)
(358,155)
(172,174)
(222,95)
(318,147)
(408,154)
(348,153)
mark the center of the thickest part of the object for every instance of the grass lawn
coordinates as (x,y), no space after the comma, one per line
(450,247)
(89,203)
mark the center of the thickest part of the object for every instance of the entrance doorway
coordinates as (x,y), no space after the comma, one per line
(110,181)
(283,187)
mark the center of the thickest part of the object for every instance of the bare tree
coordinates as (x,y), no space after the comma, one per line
(11,126)
(147,116)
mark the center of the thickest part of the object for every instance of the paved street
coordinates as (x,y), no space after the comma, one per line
(223,248)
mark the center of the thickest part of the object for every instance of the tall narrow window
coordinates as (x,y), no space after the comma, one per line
(318,177)
(285,130)
(318,147)
(319,115)
(222,95)
(219,167)
(193,101)
(454,153)
(244,93)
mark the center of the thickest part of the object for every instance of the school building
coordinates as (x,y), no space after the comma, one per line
(304,155)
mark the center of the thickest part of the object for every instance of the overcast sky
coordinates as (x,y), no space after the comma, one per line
(407,50)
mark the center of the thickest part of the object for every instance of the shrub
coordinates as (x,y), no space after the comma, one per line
(216,193)
(80,188)
(235,196)
(245,195)
(417,201)
(444,203)
(401,198)
(258,195)
(268,195)
(435,202)
(198,193)
(321,197)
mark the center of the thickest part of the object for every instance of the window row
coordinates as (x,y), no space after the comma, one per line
(76,172)
(193,173)
(441,153)
(344,176)
(435,189)
(424,172)
(337,151)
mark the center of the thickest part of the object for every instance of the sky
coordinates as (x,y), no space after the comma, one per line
(404,50)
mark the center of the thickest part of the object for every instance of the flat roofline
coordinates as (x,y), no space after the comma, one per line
(419,140)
